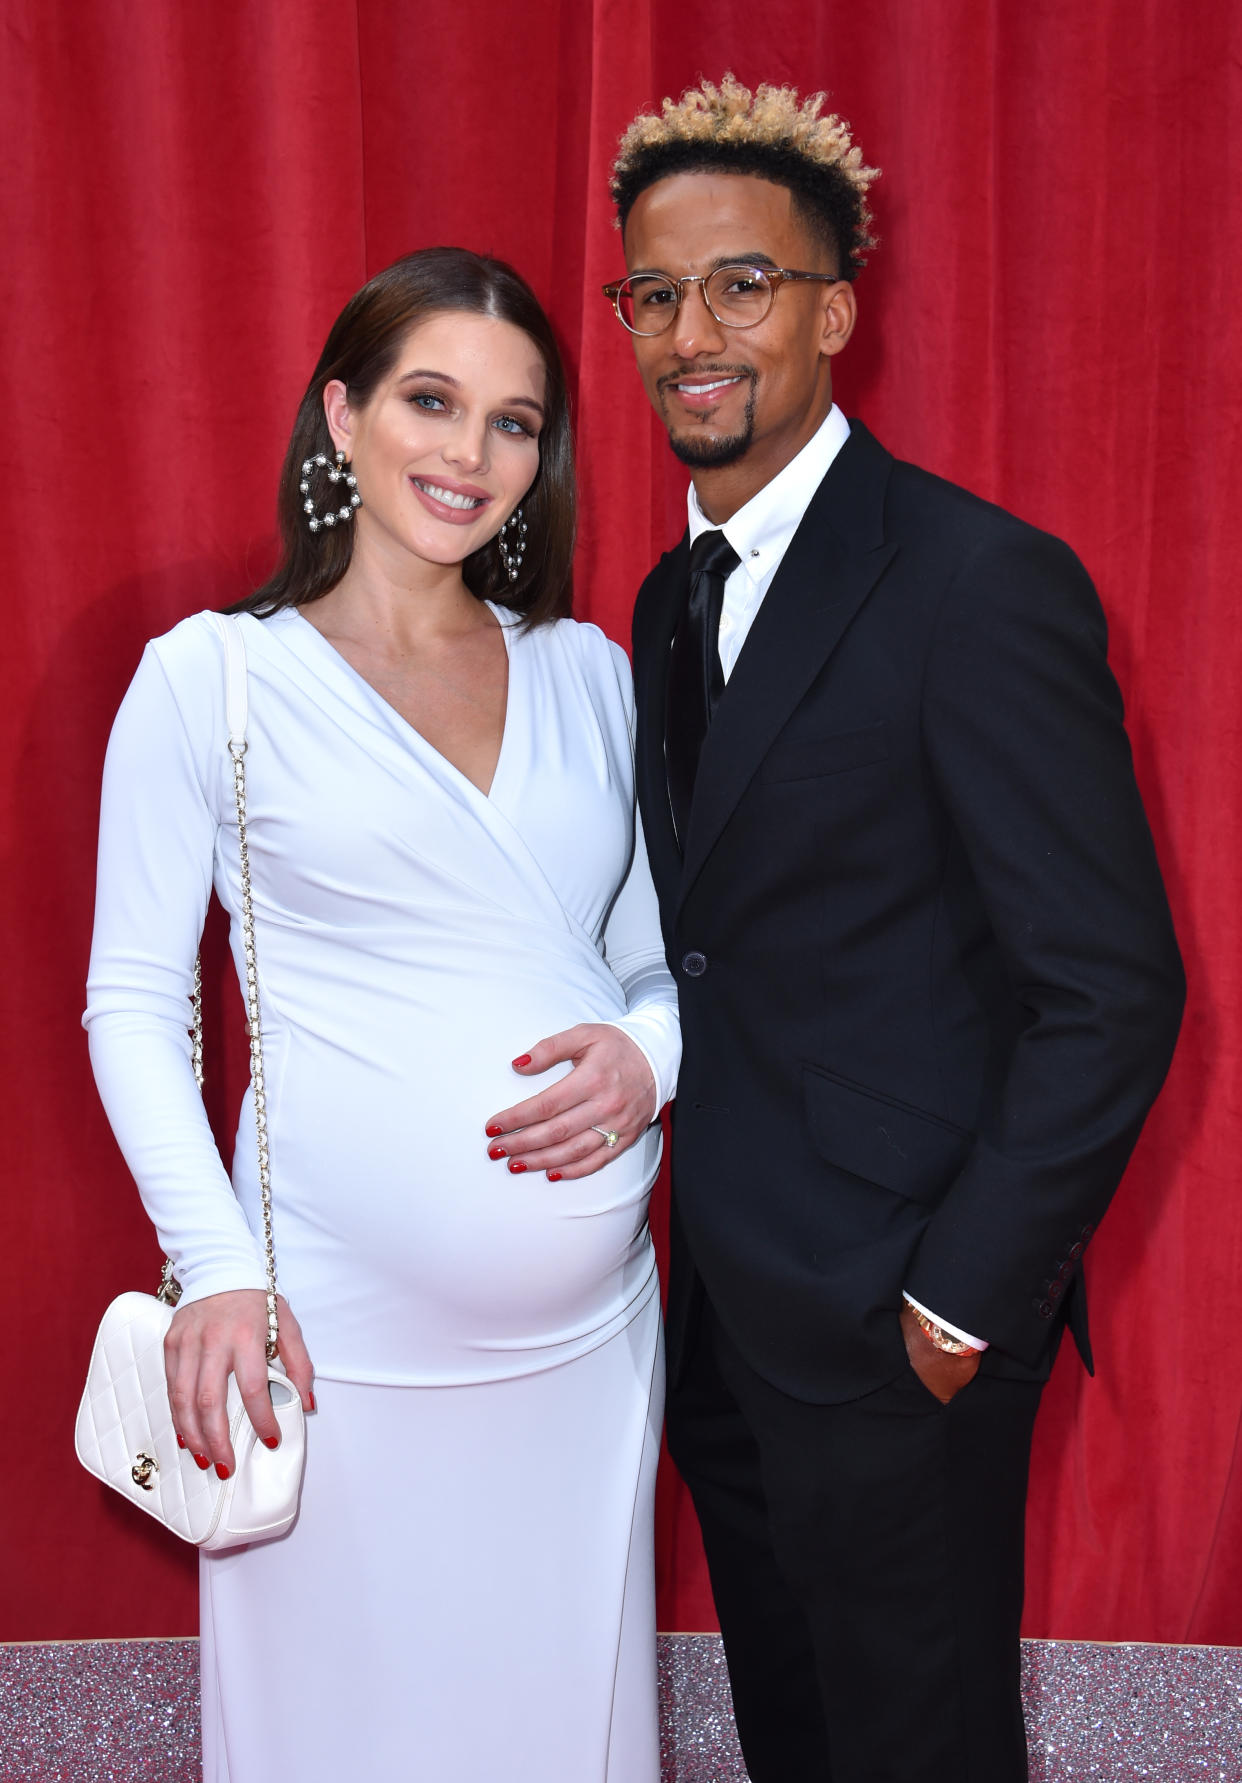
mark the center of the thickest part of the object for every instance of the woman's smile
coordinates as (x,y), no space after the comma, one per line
(456,503)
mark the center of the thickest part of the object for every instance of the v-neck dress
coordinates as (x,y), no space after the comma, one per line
(480,1471)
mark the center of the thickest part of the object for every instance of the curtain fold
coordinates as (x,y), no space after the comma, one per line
(1051,318)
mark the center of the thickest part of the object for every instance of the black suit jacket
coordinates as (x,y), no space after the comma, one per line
(929,984)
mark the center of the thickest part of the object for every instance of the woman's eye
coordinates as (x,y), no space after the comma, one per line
(428,401)
(511,424)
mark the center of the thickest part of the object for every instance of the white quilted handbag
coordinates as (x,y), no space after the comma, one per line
(125,1437)
(125,1434)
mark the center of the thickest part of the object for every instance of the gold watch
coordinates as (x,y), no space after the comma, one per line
(943,1340)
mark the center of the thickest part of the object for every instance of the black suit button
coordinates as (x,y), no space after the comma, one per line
(1086,1233)
(1075,1252)
(1065,1271)
(694,964)
(1055,1290)
(1044,1308)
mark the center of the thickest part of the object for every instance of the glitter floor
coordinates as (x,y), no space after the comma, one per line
(127,1712)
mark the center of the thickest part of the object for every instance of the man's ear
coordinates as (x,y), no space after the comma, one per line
(840,312)
(339,416)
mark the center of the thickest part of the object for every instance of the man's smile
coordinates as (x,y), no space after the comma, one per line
(702,390)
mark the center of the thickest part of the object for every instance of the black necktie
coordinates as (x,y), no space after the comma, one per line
(695,677)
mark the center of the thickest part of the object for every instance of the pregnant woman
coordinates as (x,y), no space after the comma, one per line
(469,1032)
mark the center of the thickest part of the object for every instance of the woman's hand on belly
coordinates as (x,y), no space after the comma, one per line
(562,1129)
(220,1335)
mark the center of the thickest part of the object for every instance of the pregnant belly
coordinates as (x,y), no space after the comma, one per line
(405,1250)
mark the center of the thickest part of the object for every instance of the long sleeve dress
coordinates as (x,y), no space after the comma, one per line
(467,1594)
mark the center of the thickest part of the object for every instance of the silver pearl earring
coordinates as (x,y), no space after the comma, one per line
(512,550)
(338,472)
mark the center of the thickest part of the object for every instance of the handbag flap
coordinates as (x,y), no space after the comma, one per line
(125,1421)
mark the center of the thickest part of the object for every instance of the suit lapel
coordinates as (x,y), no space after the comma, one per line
(656,613)
(834,560)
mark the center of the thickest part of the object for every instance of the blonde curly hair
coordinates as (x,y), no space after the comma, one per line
(769,133)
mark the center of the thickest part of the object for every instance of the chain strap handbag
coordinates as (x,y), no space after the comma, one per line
(125,1434)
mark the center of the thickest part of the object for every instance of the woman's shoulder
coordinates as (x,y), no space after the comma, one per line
(175,694)
(190,645)
(585,648)
(193,651)
(186,665)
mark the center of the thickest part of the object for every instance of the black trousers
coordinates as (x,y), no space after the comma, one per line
(867,1565)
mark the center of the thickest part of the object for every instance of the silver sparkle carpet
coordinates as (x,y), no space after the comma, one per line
(127,1712)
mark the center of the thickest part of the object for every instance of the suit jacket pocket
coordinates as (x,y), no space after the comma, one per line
(901,1148)
(808,758)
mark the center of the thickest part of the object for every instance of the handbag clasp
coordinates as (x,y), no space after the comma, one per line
(141,1471)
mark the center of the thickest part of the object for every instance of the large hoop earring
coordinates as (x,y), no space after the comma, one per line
(338,472)
(511,554)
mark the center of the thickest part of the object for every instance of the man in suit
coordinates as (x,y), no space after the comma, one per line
(929,984)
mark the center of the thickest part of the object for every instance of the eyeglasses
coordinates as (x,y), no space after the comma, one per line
(737,296)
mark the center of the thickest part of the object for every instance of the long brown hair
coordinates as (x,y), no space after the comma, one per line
(361,350)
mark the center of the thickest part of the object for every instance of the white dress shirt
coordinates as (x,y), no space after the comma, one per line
(760,532)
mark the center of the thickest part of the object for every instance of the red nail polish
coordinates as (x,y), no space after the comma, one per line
(202,1462)
(180,1442)
(516,1167)
(494,1131)
(271,1442)
(222,1470)
(313,1406)
(524,1060)
(497,1151)
(554,1176)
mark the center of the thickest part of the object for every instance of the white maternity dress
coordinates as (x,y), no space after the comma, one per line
(467,1595)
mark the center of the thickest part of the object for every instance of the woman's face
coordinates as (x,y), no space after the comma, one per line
(449,443)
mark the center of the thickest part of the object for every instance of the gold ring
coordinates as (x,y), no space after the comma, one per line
(607,1135)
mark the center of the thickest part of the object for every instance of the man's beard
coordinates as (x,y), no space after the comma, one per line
(701,453)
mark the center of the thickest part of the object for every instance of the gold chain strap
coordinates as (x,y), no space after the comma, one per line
(196,1046)
(169,1289)
(257,1082)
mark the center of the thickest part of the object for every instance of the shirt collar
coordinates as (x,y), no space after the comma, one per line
(761,529)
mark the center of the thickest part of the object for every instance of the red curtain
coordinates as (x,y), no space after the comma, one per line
(190,194)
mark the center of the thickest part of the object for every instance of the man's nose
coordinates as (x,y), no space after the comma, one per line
(695,330)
